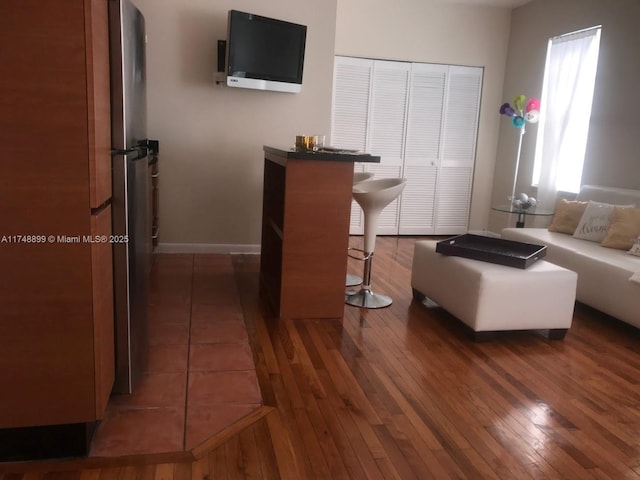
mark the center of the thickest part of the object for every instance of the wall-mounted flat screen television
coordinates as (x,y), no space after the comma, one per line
(264,53)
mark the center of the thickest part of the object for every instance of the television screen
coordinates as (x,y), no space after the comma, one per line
(265,53)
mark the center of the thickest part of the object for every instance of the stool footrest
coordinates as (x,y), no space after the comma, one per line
(365,255)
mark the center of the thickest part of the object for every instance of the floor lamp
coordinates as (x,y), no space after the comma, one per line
(512,198)
(522,114)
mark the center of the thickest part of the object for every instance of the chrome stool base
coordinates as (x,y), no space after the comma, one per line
(365,298)
(353,280)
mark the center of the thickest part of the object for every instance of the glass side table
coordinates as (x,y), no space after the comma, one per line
(522,213)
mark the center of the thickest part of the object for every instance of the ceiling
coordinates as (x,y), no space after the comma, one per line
(490,3)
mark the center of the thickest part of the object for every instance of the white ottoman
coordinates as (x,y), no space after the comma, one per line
(489,297)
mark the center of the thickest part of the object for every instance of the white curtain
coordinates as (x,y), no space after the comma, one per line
(567,94)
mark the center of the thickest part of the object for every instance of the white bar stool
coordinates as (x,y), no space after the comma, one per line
(361,177)
(354,280)
(373,196)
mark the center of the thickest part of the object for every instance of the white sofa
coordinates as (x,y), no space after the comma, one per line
(608,279)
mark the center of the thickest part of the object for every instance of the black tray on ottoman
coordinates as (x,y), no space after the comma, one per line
(492,250)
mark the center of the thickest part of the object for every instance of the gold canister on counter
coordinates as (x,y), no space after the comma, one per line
(305,142)
(309,142)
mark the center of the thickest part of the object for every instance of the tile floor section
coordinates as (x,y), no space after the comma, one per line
(200,376)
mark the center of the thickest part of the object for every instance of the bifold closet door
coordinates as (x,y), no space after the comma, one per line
(440,149)
(422,148)
(387,129)
(422,120)
(369,114)
(458,150)
(352,79)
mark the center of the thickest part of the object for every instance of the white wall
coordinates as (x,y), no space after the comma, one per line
(211,136)
(613,148)
(434,32)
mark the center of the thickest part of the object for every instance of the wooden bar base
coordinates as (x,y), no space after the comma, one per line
(305,231)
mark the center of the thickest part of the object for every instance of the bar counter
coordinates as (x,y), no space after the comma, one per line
(305,230)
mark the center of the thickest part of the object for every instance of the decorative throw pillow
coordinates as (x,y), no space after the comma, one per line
(624,228)
(567,215)
(594,222)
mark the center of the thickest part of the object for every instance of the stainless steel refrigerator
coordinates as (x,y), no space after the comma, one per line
(131,191)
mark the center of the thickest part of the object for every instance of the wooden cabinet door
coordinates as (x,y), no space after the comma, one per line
(46,332)
(98,100)
(103,327)
(52,127)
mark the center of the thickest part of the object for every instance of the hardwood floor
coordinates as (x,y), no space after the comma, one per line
(404,393)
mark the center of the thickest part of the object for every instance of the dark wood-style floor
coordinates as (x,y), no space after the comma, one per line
(404,393)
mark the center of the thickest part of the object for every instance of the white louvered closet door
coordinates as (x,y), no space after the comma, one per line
(422,148)
(350,116)
(458,146)
(389,101)
(422,120)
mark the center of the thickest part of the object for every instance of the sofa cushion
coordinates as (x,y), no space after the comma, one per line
(595,222)
(623,229)
(606,276)
(567,216)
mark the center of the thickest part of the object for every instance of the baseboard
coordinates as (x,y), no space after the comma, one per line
(228,249)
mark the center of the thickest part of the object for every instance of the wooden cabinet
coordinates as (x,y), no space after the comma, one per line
(56,289)
(305,231)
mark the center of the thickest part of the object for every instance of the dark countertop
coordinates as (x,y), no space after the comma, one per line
(326,155)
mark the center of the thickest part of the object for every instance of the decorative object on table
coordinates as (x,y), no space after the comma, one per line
(522,112)
(522,213)
(492,250)
(309,142)
(522,201)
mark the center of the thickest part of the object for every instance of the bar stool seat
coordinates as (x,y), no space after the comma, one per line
(361,177)
(373,196)
(354,280)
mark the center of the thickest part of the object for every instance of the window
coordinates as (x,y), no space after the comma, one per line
(567,95)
